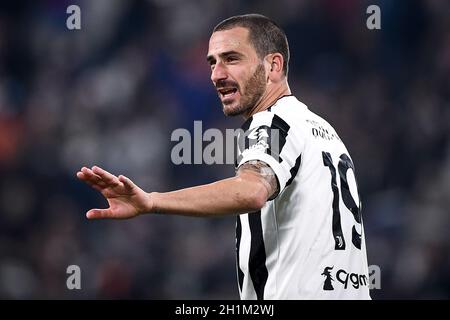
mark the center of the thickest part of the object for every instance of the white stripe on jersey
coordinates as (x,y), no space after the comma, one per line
(308,242)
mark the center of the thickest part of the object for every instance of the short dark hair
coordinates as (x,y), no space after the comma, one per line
(264,34)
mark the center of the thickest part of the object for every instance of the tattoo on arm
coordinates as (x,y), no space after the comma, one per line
(265,172)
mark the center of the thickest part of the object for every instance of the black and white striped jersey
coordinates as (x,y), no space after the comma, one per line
(308,242)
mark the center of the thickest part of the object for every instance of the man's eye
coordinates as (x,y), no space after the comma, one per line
(231,59)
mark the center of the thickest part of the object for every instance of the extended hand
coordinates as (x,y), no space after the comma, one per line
(126,200)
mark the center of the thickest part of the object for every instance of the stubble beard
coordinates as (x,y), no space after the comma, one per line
(254,89)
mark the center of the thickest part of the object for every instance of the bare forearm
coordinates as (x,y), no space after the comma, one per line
(230,196)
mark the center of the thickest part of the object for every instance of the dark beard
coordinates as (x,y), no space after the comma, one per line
(252,93)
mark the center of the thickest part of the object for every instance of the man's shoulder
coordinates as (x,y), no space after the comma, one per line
(286,107)
(287,104)
(297,114)
(289,112)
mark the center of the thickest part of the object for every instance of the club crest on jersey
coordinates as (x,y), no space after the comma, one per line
(261,139)
(258,138)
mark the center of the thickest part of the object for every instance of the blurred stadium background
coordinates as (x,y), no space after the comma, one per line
(112,93)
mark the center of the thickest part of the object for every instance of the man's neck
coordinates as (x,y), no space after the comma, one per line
(269,98)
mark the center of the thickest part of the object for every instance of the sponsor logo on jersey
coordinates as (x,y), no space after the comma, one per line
(344,278)
(327,285)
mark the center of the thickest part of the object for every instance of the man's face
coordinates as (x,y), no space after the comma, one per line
(236,71)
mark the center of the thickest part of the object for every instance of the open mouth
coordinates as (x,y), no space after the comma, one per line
(227,92)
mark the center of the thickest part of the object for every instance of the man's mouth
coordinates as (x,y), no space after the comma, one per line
(228,92)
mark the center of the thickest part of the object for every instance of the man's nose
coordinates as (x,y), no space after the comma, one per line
(218,73)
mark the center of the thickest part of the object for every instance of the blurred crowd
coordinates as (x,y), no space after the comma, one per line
(111,94)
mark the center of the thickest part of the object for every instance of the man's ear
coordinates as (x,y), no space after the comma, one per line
(276,66)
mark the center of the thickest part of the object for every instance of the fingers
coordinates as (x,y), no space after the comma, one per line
(99,214)
(98,178)
(110,179)
(101,180)
(128,184)
(88,176)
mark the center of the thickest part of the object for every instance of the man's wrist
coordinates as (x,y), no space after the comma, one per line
(152,200)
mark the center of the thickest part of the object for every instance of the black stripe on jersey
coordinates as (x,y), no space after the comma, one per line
(283,129)
(294,170)
(238,245)
(246,124)
(264,133)
(272,138)
(257,260)
(243,142)
(245,127)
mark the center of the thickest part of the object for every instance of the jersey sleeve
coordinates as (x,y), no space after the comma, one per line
(269,138)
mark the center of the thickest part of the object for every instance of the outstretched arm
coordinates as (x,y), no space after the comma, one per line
(246,192)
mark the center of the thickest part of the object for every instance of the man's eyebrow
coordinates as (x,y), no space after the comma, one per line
(211,59)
